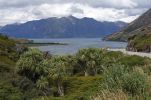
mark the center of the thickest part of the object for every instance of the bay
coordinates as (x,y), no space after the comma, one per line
(74,44)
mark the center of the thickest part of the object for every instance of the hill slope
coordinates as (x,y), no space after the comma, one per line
(9,54)
(140,43)
(64,27)
(142,25)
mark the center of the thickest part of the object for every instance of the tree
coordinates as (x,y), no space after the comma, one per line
(32,65)
(43,85)
(90,59)
(59,69)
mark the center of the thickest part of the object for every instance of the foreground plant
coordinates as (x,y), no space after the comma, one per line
(90,60)
(32,65)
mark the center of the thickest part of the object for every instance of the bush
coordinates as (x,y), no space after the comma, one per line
(112,77)
(32,65)
(8,92)
(111,57)
(135,83)
(90,60)
(119,77)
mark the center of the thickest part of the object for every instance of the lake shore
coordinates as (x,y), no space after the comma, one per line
(132,53)
(43,44)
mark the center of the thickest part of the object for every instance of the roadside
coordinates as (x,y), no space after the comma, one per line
(132,53)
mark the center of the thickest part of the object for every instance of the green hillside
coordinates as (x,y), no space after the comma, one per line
(90,74)
(8,57)
(140,43)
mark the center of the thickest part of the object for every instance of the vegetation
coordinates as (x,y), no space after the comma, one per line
(9,54)
(140,43)
(90,74)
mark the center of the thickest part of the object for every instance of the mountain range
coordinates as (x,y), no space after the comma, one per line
(65,27)
(141,25)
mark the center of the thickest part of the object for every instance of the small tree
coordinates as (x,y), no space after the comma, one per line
(32,65)
(58,71)
(90,60)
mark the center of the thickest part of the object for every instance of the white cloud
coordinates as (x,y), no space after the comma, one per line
(94,3)
(102,10)
(29,13)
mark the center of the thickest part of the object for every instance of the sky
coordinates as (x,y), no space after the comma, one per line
(21,11)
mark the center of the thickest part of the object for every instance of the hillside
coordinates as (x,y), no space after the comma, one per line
(140,43)
(142,25)
(65,27)
(9,54)
(90,74)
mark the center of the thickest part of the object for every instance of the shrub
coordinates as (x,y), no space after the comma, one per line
(135,83)
(8,92)
(112,77)
(123,78)
(32,65)
(90,60)
(111,57)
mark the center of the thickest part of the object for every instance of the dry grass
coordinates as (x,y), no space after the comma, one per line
(107,95)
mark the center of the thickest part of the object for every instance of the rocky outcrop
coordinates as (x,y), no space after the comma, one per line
(140,43)
(147,49)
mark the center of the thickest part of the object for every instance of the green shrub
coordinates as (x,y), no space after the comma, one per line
(132,61)
(119,77)
(90,60)
(112,77)
(32,65)
(111,57)
(8,92)
(135,83)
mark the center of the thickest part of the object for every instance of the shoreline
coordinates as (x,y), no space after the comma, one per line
(132,53)
(43,44)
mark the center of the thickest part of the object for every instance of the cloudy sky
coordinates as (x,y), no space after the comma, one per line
(20,11)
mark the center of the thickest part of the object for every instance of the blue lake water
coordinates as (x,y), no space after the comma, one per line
(74,44)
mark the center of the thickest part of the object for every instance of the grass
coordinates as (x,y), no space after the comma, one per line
(131,83)
(78,88)
(133,61)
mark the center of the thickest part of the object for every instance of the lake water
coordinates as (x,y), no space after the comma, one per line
(74,44)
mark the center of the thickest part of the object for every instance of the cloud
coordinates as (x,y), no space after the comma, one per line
(75,9)
(94,3)
(29,13)
(102,10)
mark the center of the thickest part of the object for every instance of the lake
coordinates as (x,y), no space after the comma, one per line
(74,44)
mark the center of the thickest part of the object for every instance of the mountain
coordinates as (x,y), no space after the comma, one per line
(142,25)
(65,27)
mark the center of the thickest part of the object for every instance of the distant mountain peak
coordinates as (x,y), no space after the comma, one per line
(72,17)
